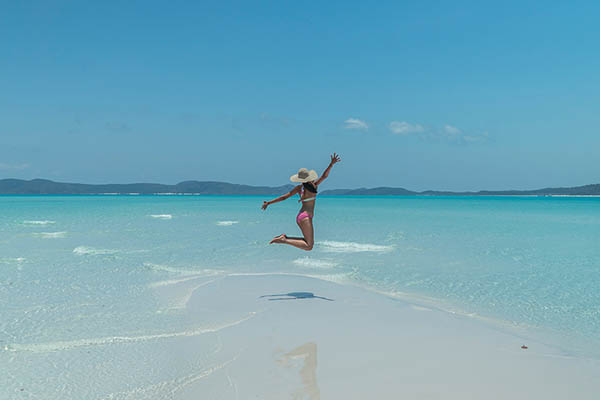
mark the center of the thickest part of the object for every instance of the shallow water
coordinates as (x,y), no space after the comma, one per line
(84,279)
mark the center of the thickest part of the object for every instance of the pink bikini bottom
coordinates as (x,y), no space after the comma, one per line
(302,215)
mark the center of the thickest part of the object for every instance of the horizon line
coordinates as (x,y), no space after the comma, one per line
(290,184)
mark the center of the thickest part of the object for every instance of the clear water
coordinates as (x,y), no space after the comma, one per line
(79,275)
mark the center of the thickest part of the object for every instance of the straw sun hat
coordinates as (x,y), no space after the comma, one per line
(304,175)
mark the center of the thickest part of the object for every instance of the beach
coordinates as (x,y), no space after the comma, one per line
(149,297)
(355,344)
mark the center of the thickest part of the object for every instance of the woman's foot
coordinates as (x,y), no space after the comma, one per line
(278,239)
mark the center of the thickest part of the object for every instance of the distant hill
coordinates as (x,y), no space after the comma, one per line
(587,190)
(379,191)
(44,186)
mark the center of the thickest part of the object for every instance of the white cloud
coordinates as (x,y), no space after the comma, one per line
(456,135)
(13,167)
(446,133)
(355,123)
(452,130)
(404,128)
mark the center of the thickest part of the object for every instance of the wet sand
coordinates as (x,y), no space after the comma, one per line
(328,341)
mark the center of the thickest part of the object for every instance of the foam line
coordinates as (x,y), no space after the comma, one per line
(12,260)
(84,250)
(313,262)
(73,344)
(226,223)
(174,281)
(38,222)
(167,389)
(181,271)
(182,301)
(162,216)
(50,235)
(352,247)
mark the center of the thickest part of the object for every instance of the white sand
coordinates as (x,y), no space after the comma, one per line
(364,345)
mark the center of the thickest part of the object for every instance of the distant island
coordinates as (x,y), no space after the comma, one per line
(44,186)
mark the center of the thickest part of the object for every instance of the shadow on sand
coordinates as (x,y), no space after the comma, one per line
(295,296)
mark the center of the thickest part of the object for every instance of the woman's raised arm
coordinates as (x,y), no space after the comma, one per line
(334,159)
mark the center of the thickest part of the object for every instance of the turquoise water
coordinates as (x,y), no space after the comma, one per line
(79,275)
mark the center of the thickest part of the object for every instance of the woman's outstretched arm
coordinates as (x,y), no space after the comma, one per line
(292,192)
(334,159)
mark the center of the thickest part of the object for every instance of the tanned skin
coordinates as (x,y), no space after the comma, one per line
(306,226)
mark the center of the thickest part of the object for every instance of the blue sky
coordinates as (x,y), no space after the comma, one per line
(422,95)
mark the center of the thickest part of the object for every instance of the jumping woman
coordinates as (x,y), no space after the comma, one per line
(308,194)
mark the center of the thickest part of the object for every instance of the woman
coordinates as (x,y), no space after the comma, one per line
(308,195)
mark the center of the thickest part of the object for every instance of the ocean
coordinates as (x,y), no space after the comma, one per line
(83,279)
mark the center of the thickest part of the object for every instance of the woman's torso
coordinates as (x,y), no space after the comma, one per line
(308,199)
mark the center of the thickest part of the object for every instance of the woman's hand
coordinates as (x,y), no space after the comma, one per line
(265,204)
(335,158)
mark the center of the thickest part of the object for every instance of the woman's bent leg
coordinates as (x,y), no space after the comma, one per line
(297,242)
(307,242)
